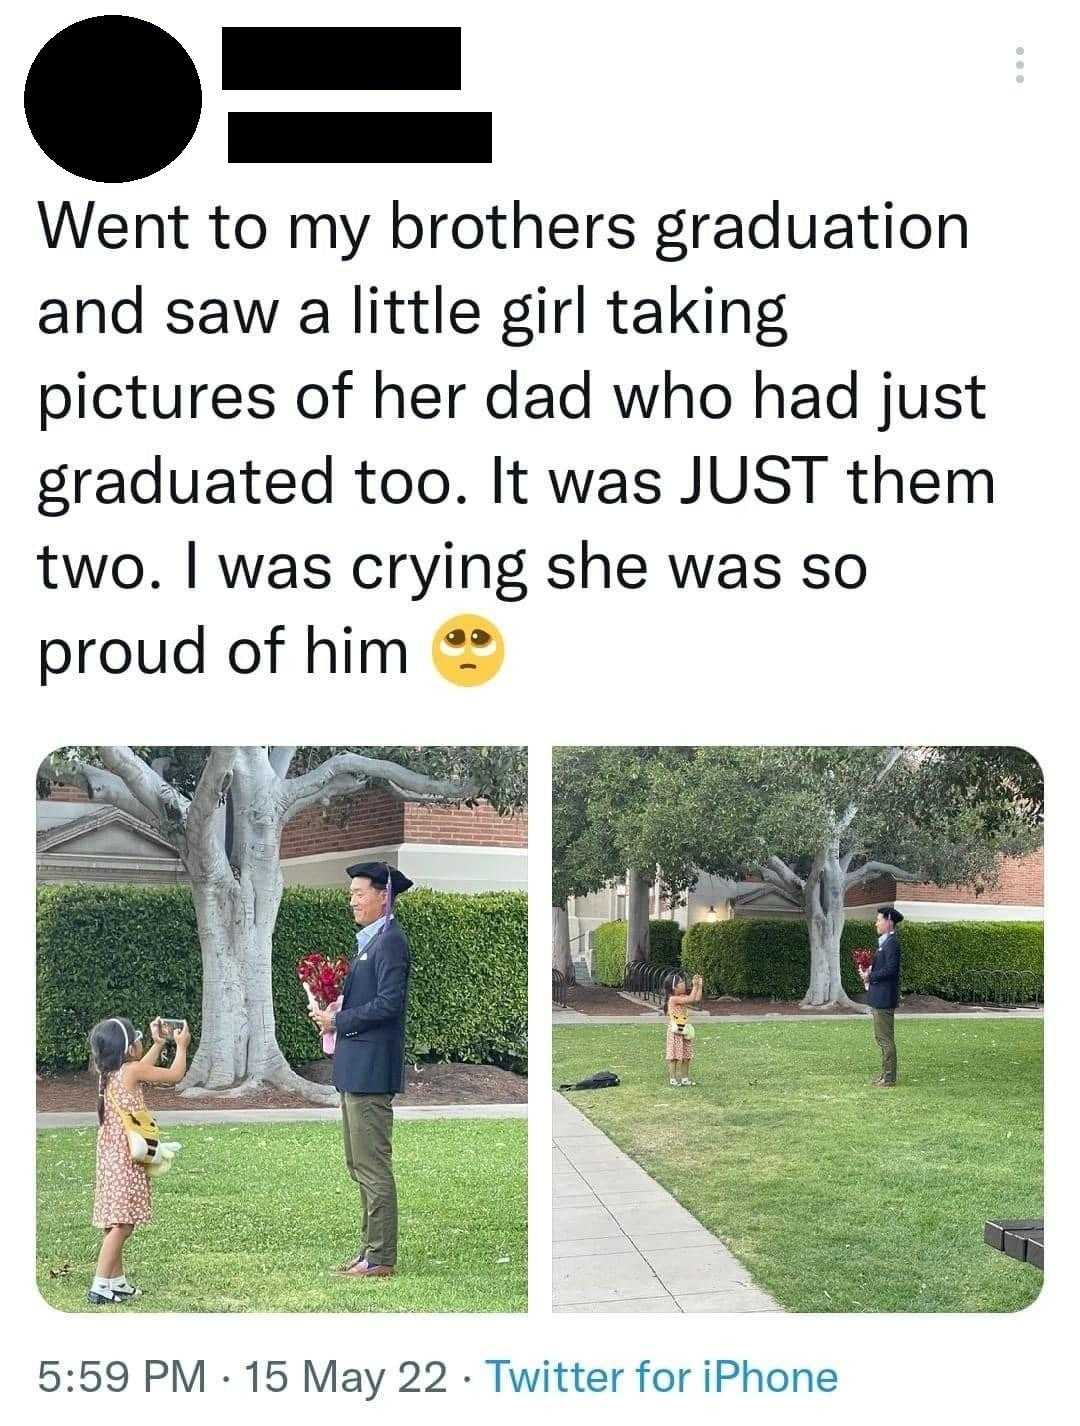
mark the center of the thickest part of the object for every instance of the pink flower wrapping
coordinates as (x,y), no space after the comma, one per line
(329,1040)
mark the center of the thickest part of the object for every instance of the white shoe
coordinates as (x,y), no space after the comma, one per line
(686,1081)
(674,1083)
(99,1298)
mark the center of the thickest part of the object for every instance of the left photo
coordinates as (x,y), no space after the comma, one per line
(282,1029)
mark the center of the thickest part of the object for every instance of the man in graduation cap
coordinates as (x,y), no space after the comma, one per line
(882,981)
(369,1057)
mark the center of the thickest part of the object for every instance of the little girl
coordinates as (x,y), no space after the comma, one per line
(680,1036)
(121,1186)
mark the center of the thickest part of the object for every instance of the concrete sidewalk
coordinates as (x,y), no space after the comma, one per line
(621,1243)
(290,1116)
(577,1017)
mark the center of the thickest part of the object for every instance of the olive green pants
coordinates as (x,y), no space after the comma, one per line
(368,1124)
(884,1034)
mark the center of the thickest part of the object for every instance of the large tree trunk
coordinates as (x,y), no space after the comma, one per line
(238,1049)
(638,885)
(561,958)
(823,904)
(220,1062)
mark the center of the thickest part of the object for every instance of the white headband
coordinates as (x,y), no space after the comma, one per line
(114,1021)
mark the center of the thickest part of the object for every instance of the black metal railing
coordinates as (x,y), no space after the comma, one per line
(647,981)
(558,988)
(985,986)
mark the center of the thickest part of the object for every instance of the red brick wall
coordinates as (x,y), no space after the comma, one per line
(370,819)
(67,794)
(373,819)
(1020,884)
(872,893)
(479,826)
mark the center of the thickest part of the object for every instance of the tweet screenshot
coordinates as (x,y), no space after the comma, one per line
(647,428)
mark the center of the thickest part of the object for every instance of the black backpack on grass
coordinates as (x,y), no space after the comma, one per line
(606,1079)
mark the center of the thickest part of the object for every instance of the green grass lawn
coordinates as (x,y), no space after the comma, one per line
(837,1196)
(253,1218)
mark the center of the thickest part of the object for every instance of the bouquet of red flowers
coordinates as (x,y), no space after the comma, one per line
(863,959)
(322,978)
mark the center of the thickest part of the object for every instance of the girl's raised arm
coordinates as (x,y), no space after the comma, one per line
(148,1071)
(689,997)
(157,1043)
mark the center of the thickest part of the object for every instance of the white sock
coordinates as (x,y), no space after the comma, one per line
(102,1285)
(674,1083)
(120,1281)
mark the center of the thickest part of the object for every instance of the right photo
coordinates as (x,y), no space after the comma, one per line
(797,1004)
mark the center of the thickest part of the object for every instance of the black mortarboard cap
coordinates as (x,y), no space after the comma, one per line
(379,874)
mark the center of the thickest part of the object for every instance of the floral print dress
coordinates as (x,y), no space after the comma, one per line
(678,1045)
(121,1187)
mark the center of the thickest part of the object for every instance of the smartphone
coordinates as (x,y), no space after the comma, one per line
(170,1027)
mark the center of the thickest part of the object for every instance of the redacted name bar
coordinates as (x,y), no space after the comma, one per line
(340,57)
(360,138)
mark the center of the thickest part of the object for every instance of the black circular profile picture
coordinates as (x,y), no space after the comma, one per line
(112,99)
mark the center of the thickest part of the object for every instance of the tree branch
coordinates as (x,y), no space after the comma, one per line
(869,870)
(351,772)
(888,765)
(403,795)
(205,848)
(879,777)
(166,805)
(337,787)
(280,758)
(778,873)
(101,786)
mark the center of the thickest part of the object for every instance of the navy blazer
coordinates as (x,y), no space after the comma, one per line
(883,990)
(369,1055)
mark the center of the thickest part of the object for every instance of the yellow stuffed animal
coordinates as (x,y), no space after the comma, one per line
(145,1141)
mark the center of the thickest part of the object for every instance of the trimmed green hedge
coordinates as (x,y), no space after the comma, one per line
(129,950)
(609,949)
(936,953)
(772,957)
(111,950)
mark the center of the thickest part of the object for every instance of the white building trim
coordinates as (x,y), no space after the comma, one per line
(390,850)
(957,911)
(442,866)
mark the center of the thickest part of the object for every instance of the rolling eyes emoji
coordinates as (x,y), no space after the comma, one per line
(467,650)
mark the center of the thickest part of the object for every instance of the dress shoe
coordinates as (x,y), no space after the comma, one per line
(365,1269)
